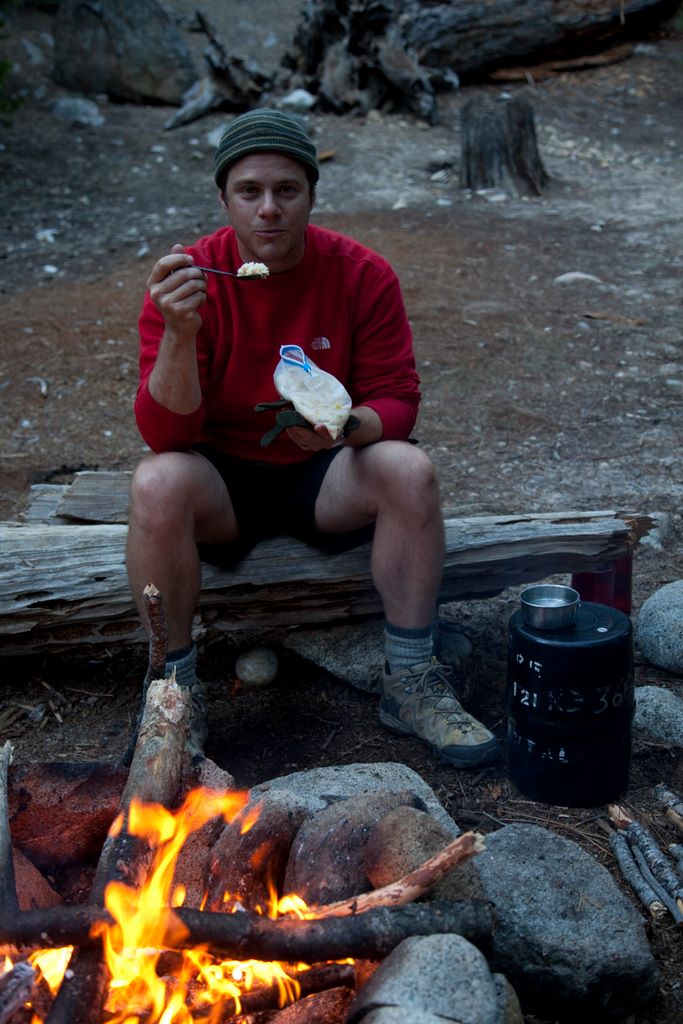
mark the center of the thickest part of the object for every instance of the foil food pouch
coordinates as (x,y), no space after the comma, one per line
(315,394)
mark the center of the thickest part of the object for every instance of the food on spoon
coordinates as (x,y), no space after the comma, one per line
(253,270)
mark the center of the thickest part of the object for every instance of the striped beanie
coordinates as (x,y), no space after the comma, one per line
(265,131)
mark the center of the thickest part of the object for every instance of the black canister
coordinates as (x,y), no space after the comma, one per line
(570,707)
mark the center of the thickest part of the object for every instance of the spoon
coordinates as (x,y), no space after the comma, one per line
(229,273)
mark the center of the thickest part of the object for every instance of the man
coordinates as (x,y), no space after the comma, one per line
(209,346)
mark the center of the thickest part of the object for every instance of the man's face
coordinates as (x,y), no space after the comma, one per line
(267,198)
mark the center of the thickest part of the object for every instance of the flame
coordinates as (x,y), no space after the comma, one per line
(52,964)
(148,982)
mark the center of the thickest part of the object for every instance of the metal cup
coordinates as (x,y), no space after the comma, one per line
(549,606)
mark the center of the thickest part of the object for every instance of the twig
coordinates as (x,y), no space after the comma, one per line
(676,851)
(632,874)
(9,904)
(673,804)
(652,862)
(672,904)
(412,885)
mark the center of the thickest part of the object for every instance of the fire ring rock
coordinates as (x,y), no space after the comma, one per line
(564,934)
(659,629)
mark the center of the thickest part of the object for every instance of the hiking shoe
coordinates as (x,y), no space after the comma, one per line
(419,701)
(198,727)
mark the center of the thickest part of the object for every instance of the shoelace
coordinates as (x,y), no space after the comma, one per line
(434,684)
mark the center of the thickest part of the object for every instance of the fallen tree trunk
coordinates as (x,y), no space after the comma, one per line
(65,584)
(394,54)
(251,936)
(475,37)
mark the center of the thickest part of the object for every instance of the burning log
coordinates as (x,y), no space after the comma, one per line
(306,982)
(16,988)
(246,936)
(414,884)
(154,777)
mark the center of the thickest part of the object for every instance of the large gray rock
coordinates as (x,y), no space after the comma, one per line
(659,715)
(659,628)
(320,787)
(440,975)
(130,51)
(564,934)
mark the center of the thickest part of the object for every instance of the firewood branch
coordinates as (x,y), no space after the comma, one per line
(673,803)
(413,885)
(652,862)
(372,934)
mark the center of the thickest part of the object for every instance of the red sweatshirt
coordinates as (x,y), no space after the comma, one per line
(342,304)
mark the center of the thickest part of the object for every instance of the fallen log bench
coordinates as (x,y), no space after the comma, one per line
(63,577)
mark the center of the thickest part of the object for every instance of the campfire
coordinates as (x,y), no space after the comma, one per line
(136,953)
(146,981)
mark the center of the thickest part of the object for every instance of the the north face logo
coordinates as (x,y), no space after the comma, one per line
(320,343)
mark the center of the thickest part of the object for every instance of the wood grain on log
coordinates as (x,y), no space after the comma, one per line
(66,584)
(499,148)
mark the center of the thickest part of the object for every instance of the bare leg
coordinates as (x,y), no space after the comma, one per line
(394,484)
(176,499)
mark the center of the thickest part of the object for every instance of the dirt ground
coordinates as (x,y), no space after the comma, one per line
(539,395)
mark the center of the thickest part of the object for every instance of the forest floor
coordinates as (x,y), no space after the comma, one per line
(538,395)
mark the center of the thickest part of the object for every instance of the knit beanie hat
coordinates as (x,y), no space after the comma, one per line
(265,131)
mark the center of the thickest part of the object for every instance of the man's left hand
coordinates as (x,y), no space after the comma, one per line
(315,440)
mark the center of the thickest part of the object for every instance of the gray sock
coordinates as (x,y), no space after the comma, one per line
(185,668)
(404,648)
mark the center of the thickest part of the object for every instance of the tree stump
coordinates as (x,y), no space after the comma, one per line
(499,147)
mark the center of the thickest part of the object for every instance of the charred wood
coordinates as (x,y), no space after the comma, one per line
(369,935)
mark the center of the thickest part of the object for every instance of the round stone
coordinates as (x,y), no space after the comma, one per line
(257,667)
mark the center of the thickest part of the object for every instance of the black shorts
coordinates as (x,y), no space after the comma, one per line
(273,500)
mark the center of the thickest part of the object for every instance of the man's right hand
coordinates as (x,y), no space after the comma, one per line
(178,289)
